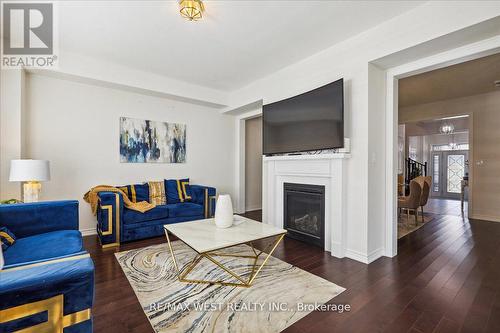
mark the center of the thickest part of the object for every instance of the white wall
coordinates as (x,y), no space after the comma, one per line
(376,164)
(76,127)
(12,140)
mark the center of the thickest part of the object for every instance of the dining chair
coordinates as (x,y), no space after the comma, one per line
(411,201)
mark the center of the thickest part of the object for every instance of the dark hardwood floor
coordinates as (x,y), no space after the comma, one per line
(446,278)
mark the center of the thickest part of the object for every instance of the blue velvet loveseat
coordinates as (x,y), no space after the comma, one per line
(47,283)
(182,202)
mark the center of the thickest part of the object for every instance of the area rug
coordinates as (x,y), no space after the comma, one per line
(280,295)
(406,226)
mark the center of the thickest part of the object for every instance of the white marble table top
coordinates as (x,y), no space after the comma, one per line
(203,236)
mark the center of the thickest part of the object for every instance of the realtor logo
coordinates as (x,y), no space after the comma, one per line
(28,35)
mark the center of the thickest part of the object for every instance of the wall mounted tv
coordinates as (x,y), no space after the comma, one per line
(310,121)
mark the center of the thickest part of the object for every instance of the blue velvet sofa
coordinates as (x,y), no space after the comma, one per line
(47,283)
(117,224)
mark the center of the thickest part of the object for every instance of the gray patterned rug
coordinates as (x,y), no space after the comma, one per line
(281,293)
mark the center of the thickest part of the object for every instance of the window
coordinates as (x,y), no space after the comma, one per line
(447,147)
(435,173)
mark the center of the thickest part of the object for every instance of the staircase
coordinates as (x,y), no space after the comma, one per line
(413,170)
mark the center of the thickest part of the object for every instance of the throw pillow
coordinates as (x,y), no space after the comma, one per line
(136,192)
(7,238)
(178,190)
(142,192)
(172,191)
(157,193)
(186,189)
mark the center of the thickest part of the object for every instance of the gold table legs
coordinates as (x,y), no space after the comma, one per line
(210,256)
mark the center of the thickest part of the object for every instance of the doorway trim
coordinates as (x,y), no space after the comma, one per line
(240,186)
(455,56)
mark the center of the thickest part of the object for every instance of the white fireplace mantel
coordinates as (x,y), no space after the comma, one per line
(315,169)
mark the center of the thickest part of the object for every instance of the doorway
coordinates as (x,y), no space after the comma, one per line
(393,117)
(253,164)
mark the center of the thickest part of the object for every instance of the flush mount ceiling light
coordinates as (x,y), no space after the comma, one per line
(447,128)
(191,9)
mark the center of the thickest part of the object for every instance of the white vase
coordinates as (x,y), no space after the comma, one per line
(224,211)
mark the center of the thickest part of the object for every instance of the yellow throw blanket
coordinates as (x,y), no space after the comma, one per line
(93,199)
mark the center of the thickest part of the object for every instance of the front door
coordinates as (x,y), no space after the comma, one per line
(448,170)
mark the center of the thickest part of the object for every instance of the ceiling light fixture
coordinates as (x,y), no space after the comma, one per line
(447,128)
(191,9)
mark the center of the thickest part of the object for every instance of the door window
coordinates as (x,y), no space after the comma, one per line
(455,172)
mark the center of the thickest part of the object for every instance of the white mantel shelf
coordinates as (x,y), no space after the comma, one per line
(306,157)
(326,170)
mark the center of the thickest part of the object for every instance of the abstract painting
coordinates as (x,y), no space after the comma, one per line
(147,141)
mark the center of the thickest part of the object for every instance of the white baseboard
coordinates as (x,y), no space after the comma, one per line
(356,255)
(88,232)
(251,208)
(364,258)
(374,255)
(485,218)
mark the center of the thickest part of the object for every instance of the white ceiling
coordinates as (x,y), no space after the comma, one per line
(235,44)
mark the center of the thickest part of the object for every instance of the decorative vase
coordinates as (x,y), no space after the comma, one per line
(224,211)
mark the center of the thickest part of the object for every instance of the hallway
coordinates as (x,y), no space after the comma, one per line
(445,207)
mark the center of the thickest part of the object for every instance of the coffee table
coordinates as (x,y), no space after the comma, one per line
(207,241)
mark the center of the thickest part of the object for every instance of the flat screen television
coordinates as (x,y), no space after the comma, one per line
(310,121)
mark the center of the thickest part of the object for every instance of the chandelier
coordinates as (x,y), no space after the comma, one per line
(191,9)
(446,128)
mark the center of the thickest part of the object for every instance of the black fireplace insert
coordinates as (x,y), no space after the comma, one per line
(304,212)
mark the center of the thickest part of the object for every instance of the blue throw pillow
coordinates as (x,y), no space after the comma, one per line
(7,238)
(178,190)
(172,191)
(141,192)
(136,192)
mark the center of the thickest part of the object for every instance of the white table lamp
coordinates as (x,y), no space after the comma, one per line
(32,172)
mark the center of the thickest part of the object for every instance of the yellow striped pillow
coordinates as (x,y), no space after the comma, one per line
(157,194)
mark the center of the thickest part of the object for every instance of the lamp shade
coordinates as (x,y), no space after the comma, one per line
(29,170)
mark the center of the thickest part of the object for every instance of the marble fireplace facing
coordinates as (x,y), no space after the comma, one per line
(305,195)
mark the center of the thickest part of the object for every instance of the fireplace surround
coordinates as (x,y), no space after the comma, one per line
(327,170)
